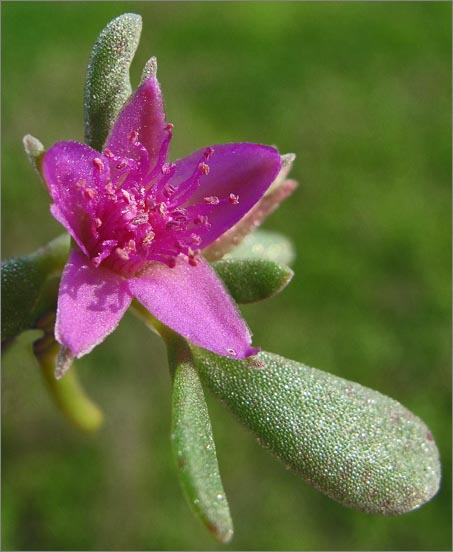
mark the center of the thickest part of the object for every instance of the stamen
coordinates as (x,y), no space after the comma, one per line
(212,200)
(98,164)
(208,153)
(89,193)
(133,137)
(140,219)
(189,186)
(233,199)
(204,168)
(162,154)
(122,253)
(162,208)
(127,196)
(167,170)
(108,153)
(147,240)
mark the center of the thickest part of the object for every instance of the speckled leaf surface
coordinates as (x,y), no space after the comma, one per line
(354,444)
(23,284)
(107,84)
(251,280)
(195,453)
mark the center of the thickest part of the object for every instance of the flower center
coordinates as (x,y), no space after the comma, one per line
(138,216)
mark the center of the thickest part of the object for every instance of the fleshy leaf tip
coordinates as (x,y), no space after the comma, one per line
(150,69)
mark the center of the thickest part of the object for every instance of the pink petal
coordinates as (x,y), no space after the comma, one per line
(65,166)
(193,302)
(244,169)
(144,114)
(91,303)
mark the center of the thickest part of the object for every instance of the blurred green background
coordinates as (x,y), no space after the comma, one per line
(361,93)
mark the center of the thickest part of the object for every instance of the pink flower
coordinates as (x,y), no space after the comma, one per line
(139,224)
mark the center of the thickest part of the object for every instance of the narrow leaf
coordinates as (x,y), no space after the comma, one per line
(250,280)
(107,85)
(193,446)
(359,447)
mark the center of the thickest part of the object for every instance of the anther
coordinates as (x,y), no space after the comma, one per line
(203,168)
(127,196)
(133,137)
(121,165)
(122,253)
(162,208)
(89,193)
(233,199)
(148,238)
(140,219)
(110,189)
(165,169)
(98,164)
(169,127)
(211,200)
(108,153)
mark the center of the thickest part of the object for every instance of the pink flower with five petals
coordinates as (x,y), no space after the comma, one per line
(139,224)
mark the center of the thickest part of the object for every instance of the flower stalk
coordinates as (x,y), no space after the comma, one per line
(67,393)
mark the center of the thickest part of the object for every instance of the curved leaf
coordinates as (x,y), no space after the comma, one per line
(354,444)
(107,84)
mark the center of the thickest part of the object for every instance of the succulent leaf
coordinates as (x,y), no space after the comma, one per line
(354,444)
(193,445)
(107,85)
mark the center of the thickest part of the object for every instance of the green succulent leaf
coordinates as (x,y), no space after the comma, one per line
(27,289)
(193,445)
(264,244)
(251,280)
(354,444)
(107,85)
